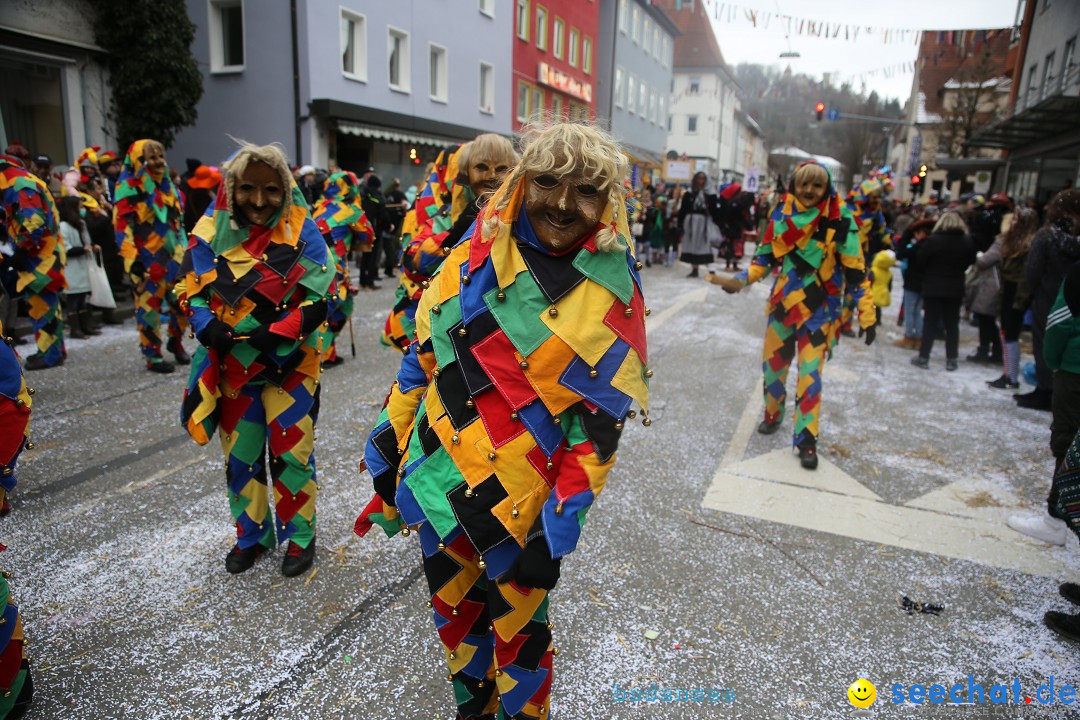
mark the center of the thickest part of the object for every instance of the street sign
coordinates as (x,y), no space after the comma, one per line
(833,114)
(750,180)
(678,169)
(982,182)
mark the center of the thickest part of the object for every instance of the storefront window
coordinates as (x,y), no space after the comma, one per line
(32,110)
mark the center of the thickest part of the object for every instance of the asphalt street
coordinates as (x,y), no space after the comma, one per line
(711,560)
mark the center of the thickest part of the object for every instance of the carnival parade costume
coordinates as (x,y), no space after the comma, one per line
(873,232)
(31,222)
(148,218)
(342,222)
(817,250)
(499,433)
(257,297)
(16,685)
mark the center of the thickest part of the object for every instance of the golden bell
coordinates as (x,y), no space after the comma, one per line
(514,416)
(462,332)
(557,420)
(646,422)
(465,279)
(558,509)
(553,311)
(455,439)
(648,312)
(514,513)
(637,265)
(470,403)
(441,546)
(491,456)
(594,374)
(425,284)
(436,309)
(469,492)
(550,465)
(481,564)
(454,612)
(631,414)
(404,531)
(524,364)
(554,651)
(500,296)
(628,312)
(648,373)
(619,425)
(453,656)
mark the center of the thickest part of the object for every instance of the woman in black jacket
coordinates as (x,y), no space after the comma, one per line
(942,259)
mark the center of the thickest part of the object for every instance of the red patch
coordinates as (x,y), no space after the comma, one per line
(232,410)
(495,354)
(258,239)
(631,329)
(282,443)
(453,632)
(272,286)
(506,652)
(495,414)
(288,506)
(10,662)
(572,478)
(539,461)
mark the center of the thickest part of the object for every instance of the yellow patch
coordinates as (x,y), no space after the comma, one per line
(589,340)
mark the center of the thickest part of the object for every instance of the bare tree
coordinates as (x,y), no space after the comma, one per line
(969,103)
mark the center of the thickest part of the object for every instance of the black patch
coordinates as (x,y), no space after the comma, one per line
(230,291)
(474,513)
(440,569)
(483,325)
(532,651)
(280,258)
(601,431)
(429,441)
(453,394)
(386,443)
(555,274)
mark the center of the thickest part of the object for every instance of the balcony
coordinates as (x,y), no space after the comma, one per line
(1039,113)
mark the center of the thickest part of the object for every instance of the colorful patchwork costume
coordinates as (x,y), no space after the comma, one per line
(148,217)
(268,287)
(342,222)
(30,220)
(499,433)
(425,244)
(817,250)
(16,684)
(874,235)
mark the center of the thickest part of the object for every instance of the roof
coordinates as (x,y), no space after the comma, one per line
(696,47)
(660,17)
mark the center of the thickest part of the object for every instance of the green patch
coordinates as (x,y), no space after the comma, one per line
(448,316)
(430,483)
(519,314)
(608,269)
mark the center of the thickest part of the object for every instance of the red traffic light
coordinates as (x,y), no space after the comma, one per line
(915,179)
(820,107)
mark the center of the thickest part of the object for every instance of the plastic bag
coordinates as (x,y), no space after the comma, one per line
(100,292)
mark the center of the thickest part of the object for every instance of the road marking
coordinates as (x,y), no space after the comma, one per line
(128,488)
(745,429)
(696,295)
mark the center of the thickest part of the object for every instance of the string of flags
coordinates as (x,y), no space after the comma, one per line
(733,13)
(906,67)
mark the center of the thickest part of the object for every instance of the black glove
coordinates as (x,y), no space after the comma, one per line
(870,333)
(263,340)
(20,259)
(137,270)
(312,316)
(217,335)
(534,567)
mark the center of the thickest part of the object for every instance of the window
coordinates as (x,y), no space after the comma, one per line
(669,123)
(437,72)
(1048,75)
(398,59)
(541,27)
(487,88)
(1068,66)
(523,19)
(618,86)
(488,7)
(642,98)
(353,45)
(691,123)
(622,16)
(557,38)
(656,42)
(556,106)
(666,59)
(635,24)
(646,35)
(661,110)
(1033,87)
(652,106)
(522,101)
(586,55)
(695,85)
(631,93)
(226,36)
(574,47)
(537,106)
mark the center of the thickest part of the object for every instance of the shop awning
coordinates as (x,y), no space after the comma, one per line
(389,134)
(642,157)
(1054,115)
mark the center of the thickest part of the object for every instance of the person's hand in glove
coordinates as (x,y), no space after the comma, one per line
(729,283)
(263,340)
(870,333)
(217,335)
(534,567)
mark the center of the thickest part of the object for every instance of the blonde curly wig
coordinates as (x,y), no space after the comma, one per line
(271,155)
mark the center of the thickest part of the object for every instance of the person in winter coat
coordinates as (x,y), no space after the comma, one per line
(697,212)
(942,259)
(906,250)
(1014,296)
(1054,250)
(985,302)
(80,253)
(881,280)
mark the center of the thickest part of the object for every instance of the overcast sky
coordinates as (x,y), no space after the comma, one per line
(742,42)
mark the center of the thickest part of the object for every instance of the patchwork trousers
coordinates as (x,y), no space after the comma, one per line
(155,307)
(48,322)
(781,343)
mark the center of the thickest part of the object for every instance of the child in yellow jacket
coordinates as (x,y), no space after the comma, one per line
(881,279)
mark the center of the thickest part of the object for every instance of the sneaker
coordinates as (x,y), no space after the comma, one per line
(1070,591)
(237,561)
(1003,383)
(1065,625)
(164,367)
(951,364)
(298,559)
(808,456)
(1050,530)
(920,362)
(768,428)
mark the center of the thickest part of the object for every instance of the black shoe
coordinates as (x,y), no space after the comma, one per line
(849,333)
(333,363)
(164,367)
(75,333)
(1003,383)
(1067,626)
(951,364)
(177,349)
(108,317)
(298,559)
(237,561)
(920,362)
(768,428)
(808,456)
(37,362)
(1070,591)
(979,356)
(693,273)
(1035,401)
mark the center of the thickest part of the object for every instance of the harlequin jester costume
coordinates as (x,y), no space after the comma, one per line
(499,433)
(16,685)
(31,222)
(817,250)
(425,244)
(148,218)
(342,222)
(874,235)
(257,296)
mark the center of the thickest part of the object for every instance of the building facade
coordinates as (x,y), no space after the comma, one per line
(704,96)
(554,59)
(55,95)
(1041,130)
(637,47)
(351,83)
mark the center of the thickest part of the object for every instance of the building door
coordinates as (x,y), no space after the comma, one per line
(32,109)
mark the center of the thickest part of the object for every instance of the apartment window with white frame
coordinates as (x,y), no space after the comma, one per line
(635,24)
(556,106)
(397,51)
(487,88)
(1068,64)
(574,52)
(488,7)
(643,98)
(558,35)
(438,73)
(1048,75)
(353,45)
(226,36)
(646,35)
(661,110)
(652,106)
(1033,86)
(631,93)
(536,109)
(691,124)
(656,43)
(541,27)
(522,101)
(586,55)
(618,86)
(695,85)
(622,16)
(522,20)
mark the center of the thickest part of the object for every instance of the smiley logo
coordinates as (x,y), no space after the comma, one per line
(862,693)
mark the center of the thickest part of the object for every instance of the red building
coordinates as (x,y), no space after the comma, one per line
(554,59)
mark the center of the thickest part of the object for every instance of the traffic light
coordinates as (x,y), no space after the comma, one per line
(820,110)
(922,171)
(413,157)
(916,185)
